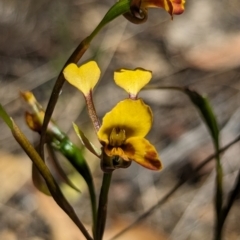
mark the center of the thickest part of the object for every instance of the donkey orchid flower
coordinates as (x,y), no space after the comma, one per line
(123,130)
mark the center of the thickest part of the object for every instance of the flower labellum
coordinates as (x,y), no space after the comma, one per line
(123,130)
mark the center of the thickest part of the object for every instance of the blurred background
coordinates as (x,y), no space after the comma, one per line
(199,49)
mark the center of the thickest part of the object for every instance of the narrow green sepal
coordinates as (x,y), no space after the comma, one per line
(85,142)
(207,113)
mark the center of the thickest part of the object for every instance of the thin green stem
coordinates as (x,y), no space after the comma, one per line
(218,199)
(219,182)
(94,206)
(102,206)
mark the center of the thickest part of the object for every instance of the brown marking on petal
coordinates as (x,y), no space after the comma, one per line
(152,162)
(151,154)
(119,152)
(129,149)
(115,151)
(152,158)
(107,149)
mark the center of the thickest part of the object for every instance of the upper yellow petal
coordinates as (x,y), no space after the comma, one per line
(132,81)
(84,77)
(143,152)
(132,116)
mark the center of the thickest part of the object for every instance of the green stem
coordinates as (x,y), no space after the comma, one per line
(218,198)
(102,206)
(218,201)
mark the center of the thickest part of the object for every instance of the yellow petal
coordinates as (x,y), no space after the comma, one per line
(143,152)
(84,77)
(132,81)
(132,116)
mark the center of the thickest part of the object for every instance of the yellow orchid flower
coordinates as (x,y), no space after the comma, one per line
(123,130)
(173,7)
(84,78)
(132,81)
(125,126)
